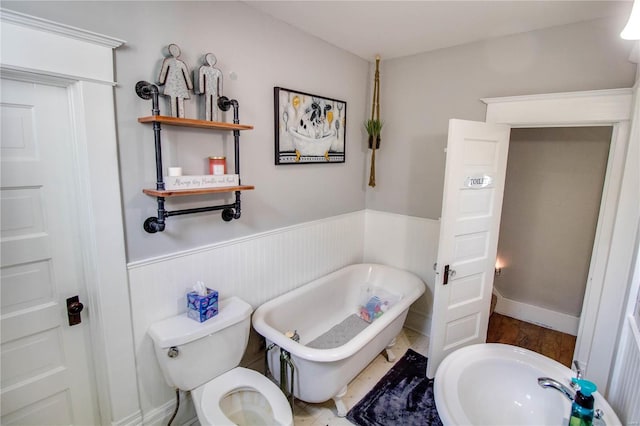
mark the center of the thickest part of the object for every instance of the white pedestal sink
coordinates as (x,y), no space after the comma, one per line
(496,384)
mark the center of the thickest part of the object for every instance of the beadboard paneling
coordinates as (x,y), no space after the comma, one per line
(409,243)
(256,269)
(263,266)
(624,395)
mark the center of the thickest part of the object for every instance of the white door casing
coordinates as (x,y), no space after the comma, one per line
(471,208)
(42,51)
(609,271)
(46,365)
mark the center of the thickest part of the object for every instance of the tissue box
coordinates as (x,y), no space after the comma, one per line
(201,308)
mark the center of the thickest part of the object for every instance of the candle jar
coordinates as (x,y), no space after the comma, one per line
(218,165)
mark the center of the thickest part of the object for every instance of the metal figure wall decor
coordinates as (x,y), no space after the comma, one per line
(210,86)
(176,79)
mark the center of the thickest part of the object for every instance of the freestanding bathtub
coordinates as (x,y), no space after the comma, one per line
(317,308)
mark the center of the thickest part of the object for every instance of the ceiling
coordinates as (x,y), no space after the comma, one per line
(400,28)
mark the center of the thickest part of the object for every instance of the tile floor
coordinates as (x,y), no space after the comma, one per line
(501,329)
(325,414)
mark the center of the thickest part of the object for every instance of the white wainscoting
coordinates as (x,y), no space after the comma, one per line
(410,243)
(624,394)
(255,268)
(262,266)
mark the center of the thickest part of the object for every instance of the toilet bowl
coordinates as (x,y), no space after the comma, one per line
(203,358)
(241,397)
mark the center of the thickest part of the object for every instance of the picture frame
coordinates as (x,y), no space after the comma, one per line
(308,128)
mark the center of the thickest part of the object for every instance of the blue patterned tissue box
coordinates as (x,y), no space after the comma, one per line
(201,308)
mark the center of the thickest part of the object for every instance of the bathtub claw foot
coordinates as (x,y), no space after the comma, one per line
(341,408)
(388,353)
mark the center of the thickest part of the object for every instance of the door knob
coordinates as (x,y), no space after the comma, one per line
(74,308)
(448,272)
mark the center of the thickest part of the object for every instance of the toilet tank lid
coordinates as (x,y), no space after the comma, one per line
(181,329)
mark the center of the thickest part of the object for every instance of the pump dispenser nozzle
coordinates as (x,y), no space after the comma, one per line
(585,387)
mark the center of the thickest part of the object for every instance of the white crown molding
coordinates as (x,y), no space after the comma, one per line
(560,95)
(18,18)
(592,108)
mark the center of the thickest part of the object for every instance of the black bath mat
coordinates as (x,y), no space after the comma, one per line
(404,396)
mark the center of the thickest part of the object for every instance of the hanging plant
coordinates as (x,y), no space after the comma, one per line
(374,127)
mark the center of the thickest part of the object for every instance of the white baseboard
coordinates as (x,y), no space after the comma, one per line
(134,419)
(159,416)
(537,315)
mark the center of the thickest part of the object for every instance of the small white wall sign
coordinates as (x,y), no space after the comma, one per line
(477,182)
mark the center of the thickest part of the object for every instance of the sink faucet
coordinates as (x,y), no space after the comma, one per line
(576,364)
(548,382)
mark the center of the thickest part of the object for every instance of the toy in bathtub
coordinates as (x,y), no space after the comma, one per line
(373,309)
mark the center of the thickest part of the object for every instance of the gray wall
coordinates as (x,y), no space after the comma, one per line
(419,94)
(264,53)
(551,203)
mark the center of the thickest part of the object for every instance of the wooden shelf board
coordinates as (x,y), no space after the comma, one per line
(196,191)
(190,122)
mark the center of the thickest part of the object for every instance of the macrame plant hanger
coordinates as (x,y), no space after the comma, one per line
(375,114)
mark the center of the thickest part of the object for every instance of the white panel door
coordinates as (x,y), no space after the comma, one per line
(471,208)
(45,363)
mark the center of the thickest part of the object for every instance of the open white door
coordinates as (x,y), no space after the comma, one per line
(471,208)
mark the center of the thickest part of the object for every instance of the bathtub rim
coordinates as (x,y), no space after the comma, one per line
(353,345)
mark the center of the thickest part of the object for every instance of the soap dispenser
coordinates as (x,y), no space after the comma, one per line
(582,407)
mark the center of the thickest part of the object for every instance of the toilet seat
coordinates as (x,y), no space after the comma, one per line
(207,397)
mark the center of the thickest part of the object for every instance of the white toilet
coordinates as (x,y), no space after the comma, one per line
(203,358)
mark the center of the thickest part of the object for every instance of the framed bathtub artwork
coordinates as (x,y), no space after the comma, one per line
(308,128)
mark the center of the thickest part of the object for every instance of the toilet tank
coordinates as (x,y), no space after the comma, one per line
(191,353)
